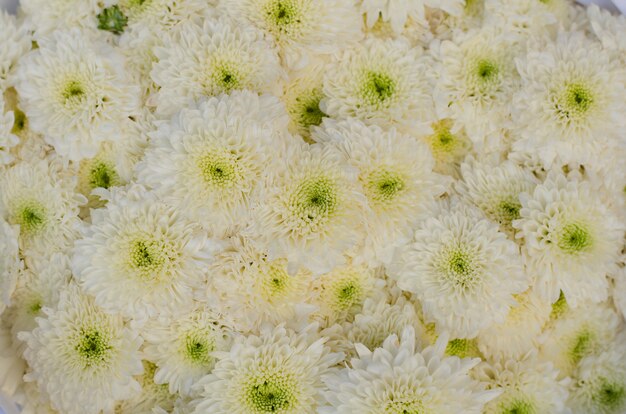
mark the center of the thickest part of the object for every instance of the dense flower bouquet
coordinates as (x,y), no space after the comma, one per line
(312,206)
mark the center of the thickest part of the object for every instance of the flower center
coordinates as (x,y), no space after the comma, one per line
(314,199)
(31,217)
(457,266)
(283,17)
(574,101)
(270,393)
(384,185)
(611,394)
(93,347)
(225,77)
(147,256)
(308,109)
(507,211)
(218,170)
(486,70)
(519,407)
(276,281)
(73,93)
(102,175)
(404,406)
(198,346)
(112,20)
(378,87)
(574,238)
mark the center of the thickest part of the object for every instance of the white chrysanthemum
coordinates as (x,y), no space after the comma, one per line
(81,357)
(163,16)
(398,378)
(449,145)
(254,290)
(142,258)
(340,293)
(75,91)
(571,240)
(277,372)
(9,262)
(184,348)
(44,17)
(211,59)
(477,78)
(384,82)
(210,160)
(46,210)
(571,101)
(398,12)
(7,139)
(527,17)
(528,386)
(313,211)
(154,398)
(302,95)
(496,189)
(609,28)
(15,43)
(578,333)
(599,385)
(377,320)
(519,333)
(301,28)
(395,172)
(463,270)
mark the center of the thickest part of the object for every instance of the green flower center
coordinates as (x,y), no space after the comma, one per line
(93,347)
(378,87)
(112,20)
(463,348)
(73,92)
(198,346)
(102,175)
(308,110)
(519,407)
(34,307)
(147,256)
(574,101)
(218,170)
(31,217)
(271,393)
(404,406)
(283,17)
(458,266)
(506,211)
(276,281)
(486,70)
(574,238)
(224,77)
(384,185)
(348,294)
(610,395)
(315,199)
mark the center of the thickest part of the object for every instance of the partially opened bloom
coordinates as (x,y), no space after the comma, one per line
(279,371)
(383,82)
(463,270)
(216,57)
(74,90)
(571,240)
(81,357)
(399,378)
(141,258)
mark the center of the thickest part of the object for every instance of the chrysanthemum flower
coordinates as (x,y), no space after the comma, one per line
(162,16)
(44,207)
(571,101)
(599,383)
(210,159)
(15,43)
(476,82)
(395,172)
(528,386)
(449,145)
(528,18)
(254,290)
(571,240)
(301,28)
(383,82)
(45,17)
(578,333)
(313,210)
(141,258)
(519,333)
(496,189)
(609,28)
(154,398)
(81,357)
(74,90)
(463,270)
(277,372)
(183,348)
(398,378)
(217,57)
(9,262)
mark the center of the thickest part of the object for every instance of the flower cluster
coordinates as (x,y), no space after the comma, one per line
(312,206)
